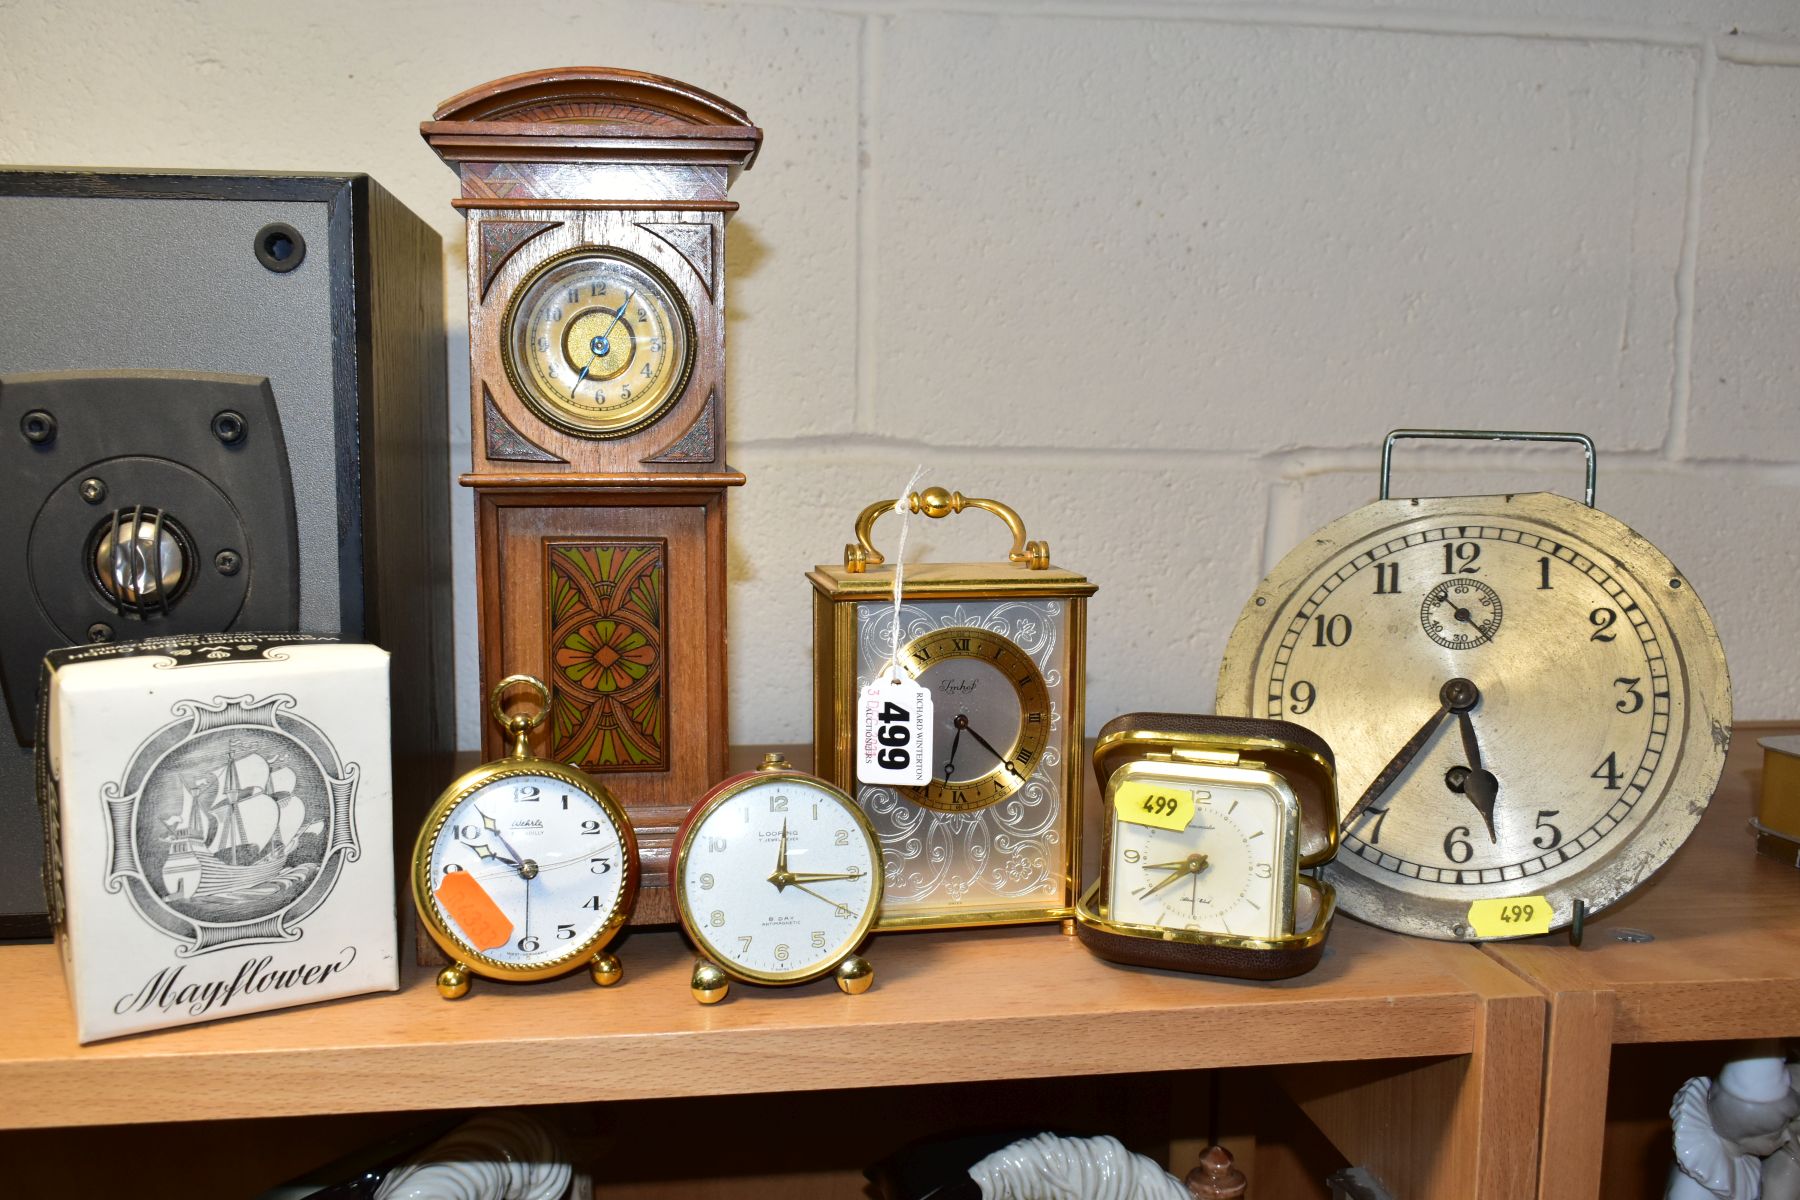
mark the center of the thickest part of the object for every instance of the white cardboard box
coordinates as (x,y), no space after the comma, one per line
(219,812)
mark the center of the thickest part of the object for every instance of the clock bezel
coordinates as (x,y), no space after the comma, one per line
(547,412)
(696,820)
(1698,752)
(432,917)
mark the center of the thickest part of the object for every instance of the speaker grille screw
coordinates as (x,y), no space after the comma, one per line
(100,631)
(93,490)
(228,562)
(38,426)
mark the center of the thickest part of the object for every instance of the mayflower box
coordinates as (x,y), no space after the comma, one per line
(219,815)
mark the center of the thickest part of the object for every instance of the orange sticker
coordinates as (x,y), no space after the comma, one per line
(467,903)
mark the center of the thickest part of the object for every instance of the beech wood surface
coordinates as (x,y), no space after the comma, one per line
(1725,964)
(947,1006)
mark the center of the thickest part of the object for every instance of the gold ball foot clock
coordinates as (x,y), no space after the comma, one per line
(596,204)
(1528,702)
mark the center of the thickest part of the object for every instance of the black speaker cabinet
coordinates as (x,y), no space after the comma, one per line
(222,407)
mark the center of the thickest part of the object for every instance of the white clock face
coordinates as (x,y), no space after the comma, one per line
(778,879)
(540,870)
(1221,873)
(1548,671)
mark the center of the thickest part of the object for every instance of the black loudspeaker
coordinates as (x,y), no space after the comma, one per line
(222,407)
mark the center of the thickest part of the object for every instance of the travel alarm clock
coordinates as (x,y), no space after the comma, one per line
(1528,702)
(1206,827)
(524,869)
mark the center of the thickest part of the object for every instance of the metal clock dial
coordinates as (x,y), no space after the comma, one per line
(1225,872)
(777,877)
(992,714)
(1524,696)
(598,343)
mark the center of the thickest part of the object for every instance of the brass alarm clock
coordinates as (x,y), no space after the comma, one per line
(777,878)
(1207,824)
(1528,702)
(992,836)
(524,869)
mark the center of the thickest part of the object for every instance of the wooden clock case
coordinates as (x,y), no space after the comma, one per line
(593,551)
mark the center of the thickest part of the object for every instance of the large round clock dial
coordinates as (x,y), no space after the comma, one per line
(598,343)
(991,712)
(1525,699)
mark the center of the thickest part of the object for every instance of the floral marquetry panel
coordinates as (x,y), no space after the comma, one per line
(608,652)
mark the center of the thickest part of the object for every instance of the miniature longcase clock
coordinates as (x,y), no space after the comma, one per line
(993,834)
(596,205)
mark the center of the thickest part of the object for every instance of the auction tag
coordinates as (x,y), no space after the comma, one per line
(1510,916)
(1154,804)
(893,733)
(466,902)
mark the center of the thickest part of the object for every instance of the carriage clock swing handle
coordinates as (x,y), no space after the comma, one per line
(1579,916)
(938,502)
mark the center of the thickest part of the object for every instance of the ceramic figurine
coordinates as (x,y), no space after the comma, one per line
(496,1156)
(1738,1138)
(1047,1167)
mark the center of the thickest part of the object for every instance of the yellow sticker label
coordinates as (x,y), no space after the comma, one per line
(1154,804)
(1510,916)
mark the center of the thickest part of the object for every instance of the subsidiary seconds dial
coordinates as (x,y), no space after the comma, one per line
(1507,696)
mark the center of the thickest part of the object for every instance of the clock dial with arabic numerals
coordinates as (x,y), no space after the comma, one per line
(777,877)
(1524,697)
(548,858)
(598,343)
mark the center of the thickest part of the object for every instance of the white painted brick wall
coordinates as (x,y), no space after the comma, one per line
(1159,273)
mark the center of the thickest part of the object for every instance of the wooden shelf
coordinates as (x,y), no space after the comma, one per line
(1725,964)
(946,1007)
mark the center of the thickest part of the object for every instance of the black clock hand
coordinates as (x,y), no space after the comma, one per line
(1480,786)
(1458,694)
(493,827)
(962,722)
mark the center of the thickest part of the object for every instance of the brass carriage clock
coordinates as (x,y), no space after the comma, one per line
(596,205)
(992,836)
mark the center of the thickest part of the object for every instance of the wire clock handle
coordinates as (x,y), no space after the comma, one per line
(1486,435)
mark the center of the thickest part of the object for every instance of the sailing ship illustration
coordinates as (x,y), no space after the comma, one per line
(239,825)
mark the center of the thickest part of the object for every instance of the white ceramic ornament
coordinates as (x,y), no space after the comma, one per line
(496,1156)
(1047,1167)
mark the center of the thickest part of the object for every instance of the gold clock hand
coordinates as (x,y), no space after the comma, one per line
(826,899)
(1193,865)
(781,854)
(799,877)
(1179,864)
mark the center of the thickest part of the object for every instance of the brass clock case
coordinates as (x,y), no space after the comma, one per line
(597,321)
(1547,704)
(696,928)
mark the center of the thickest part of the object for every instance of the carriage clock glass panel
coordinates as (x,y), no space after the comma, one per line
(598,343)
(524,868)
(1207,849)
(778,881)
(1528,702)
